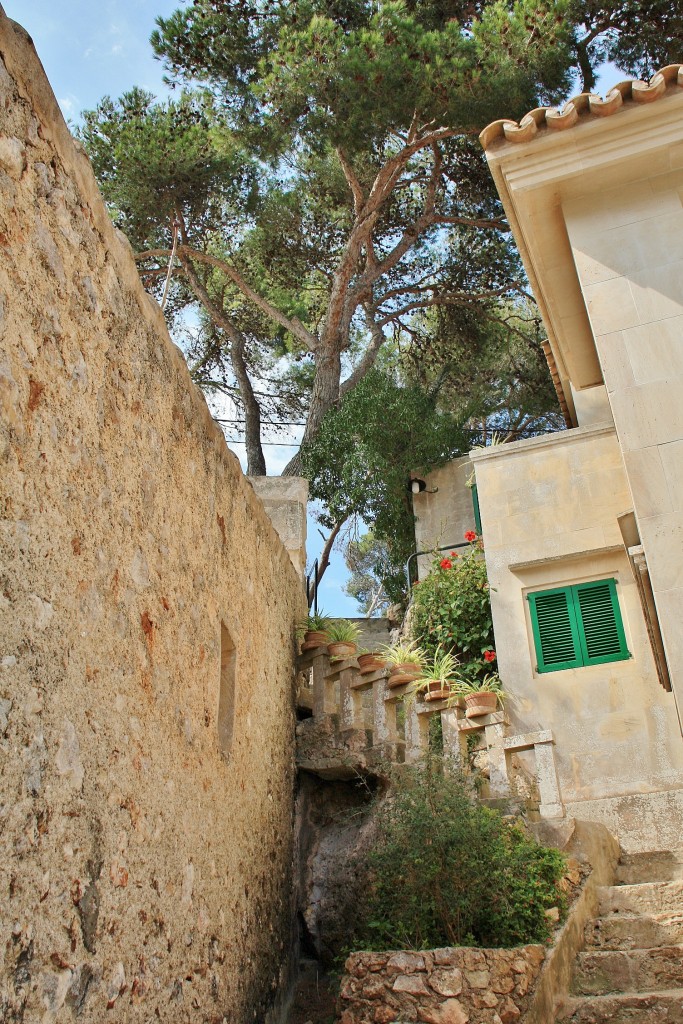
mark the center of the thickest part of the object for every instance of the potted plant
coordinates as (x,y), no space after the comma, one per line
(369,661)
(437,679)
(312,631)
(405,660)
(341,638)
(482,696)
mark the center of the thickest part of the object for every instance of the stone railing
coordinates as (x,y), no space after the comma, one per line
(358,720)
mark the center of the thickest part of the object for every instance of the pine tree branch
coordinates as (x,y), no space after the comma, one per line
(293,324)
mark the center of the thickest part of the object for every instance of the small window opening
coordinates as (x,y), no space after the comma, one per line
(226,695)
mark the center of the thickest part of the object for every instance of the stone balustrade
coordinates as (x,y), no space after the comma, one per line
(357,721)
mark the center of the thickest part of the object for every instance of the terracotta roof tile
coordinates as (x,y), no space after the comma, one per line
(583,107)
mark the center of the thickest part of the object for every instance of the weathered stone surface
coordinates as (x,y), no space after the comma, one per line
(478,979)
(12,156)
(144,862)
(447,983)
(405,963)
(441,986)
(414,984)
(449,1012)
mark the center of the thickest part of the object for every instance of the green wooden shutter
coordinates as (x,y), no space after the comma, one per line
(556,630)
(577,626)
(602,631)
(475,506)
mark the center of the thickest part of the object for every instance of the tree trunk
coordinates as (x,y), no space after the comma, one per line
(256,463)
(324,395)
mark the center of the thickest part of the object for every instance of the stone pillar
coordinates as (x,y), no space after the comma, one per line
(323,690)
(285,499)
(350,700)
(499,783)
(384,732)
(453,740)
(417,732)
(549,791)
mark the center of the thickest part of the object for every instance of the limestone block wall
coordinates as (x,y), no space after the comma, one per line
(146,622)
(549,508)
(627,245)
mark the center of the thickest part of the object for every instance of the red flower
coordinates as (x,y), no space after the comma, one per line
(446,563)
(489,656)
(453,554)
(470,535)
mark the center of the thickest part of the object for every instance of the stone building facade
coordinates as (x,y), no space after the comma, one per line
(594,196)
(147,611)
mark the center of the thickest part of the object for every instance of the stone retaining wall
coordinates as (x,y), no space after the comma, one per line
(147,611)
(454,985)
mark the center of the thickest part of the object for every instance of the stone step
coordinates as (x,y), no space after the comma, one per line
(599,972)
(627,932)
(658,866)
(646,898)
(631,1008)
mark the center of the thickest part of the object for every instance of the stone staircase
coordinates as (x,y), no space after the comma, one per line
(632,968)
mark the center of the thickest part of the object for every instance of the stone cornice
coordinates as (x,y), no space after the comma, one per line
(532,444)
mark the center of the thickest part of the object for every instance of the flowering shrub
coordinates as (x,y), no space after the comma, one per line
(452,609)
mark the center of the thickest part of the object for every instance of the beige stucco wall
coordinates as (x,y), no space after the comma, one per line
(444,511)
(549,510)
(140,867)
(627,245)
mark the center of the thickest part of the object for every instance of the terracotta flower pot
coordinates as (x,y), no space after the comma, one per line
(314,638)
(340,650)
(436,690)
(482,702)
(370,663)
(407,672)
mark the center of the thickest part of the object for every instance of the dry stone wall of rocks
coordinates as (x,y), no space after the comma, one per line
(453,985)
(145,854)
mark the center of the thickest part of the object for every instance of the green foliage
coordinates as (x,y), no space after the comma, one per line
(355,73)
(316,622)
(406,652)
(638,36)
(446,870)
(341,631)
(452,610)
(155,159)
(357,466)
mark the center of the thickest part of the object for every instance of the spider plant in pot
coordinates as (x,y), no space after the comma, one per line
(341,638)
(312,631)
(482,695)
(405,661)
(437,679)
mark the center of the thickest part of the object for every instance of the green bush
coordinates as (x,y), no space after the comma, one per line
(452,610)
(446,870)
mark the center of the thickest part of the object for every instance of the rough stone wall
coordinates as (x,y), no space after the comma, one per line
(141,868)
(440,986)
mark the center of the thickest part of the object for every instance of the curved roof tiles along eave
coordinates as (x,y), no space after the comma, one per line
(582,108)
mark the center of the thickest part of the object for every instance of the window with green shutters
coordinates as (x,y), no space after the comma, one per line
(576,626)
